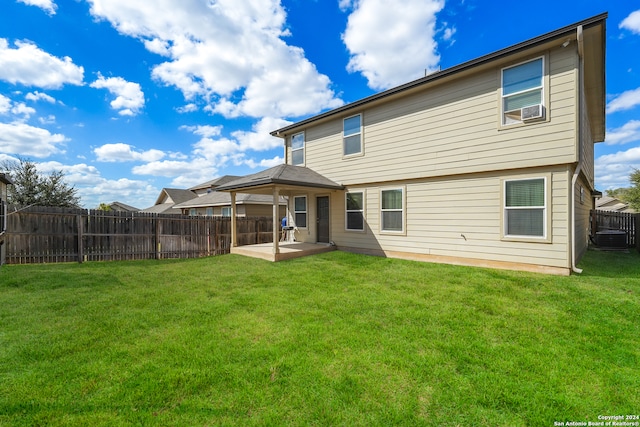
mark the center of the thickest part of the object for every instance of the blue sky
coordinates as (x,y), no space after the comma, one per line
(129,96)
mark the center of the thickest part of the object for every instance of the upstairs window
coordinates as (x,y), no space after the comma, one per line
(525,208)
(300,211)
(297,149)
(523,92)
(355,211)
(352,135)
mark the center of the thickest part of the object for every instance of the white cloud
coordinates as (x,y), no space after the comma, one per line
(21,109)
(5,104)
(206,131)
(448,34)
(94,189)
(8,106)
(185,173)
(213,151)
(121,152)
(39,96)
(229,53)
(265,163)
(629,132)
(392,45)
(189,108)
(26,140)
(632,22)
(48,120)
(31,66)
(613,170)
(259,139)
(631,155)
(129,97)
(47,5)
(627,100)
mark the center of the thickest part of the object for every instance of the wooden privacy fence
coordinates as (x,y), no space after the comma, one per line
(617,221)
(41,235)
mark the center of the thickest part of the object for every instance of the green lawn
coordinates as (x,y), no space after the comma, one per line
(333,339)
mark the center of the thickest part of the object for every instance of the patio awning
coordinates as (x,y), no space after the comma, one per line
(283,176)
(276,181)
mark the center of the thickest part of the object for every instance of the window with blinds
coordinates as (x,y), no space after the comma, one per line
(392,210)
(352,135)
(522,86)
(297,149)
(525,208)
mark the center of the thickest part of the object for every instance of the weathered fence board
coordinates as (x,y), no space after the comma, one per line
(39,235)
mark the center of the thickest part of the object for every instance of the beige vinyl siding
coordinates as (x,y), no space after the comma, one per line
(459,218)
(587,146)
(452,128)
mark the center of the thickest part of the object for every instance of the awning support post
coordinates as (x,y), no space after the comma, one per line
(276,220)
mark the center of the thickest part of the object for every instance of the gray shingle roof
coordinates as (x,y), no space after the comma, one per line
(215,182)
(283,175)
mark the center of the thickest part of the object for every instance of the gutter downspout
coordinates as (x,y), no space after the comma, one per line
(576,174)
(574,268)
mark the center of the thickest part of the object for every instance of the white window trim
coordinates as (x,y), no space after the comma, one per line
(543,94)
(546,216)
(346,212)
(223,209)
(361,133)
(306,211)
(403,210)
(304,145)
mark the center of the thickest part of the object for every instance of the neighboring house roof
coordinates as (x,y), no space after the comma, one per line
(214,182)
(163,208)
(119,206)
(5,178)
(174,195)
(612,204)
(217,198)
(587,30)
(282,175)
(168,198)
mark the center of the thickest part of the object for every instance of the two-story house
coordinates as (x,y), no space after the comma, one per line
(487,163)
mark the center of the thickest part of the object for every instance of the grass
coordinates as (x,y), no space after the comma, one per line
(333,339)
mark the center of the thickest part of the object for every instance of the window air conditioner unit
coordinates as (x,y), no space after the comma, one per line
(531,112)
